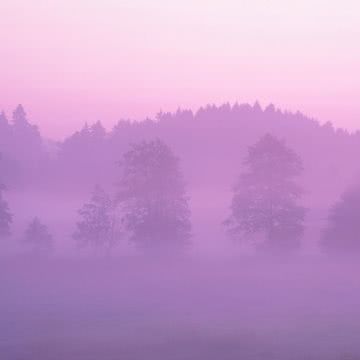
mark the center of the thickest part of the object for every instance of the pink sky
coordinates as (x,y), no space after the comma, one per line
(71,61)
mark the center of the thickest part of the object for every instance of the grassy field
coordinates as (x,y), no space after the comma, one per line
(104,309)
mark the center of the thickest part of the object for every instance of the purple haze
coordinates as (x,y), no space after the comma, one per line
(227,233)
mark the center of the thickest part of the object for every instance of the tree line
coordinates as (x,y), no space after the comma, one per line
(151,208)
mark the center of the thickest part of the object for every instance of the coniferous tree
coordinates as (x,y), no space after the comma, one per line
(84,156)
(26,132)
(30,155)
(98,131)
(8,164)
(4,123)
(5,215)
(19,117)
(5,133)
(265,197)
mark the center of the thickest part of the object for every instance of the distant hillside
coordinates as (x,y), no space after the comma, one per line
(211,144)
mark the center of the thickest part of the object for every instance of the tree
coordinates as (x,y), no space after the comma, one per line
(4,123)
(5,215)
(153,198)
(37,236)
(24,131)
(84,154)
(19,117)
(8,164)
(98,131)
(265,197)
(30,155)
(5,133)
(342,233)
(97,225)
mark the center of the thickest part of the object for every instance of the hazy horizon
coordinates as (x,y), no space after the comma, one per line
(179,180)
(69,62)
(109,125)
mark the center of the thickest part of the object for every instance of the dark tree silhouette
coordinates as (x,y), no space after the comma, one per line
(84,156)
(5,133)
(26,132)
(5,215)
(30,155)
(265,198)
(4,123)
(19,117)
(97,225)
(38,238)
(153,198)
(8,164)
(211,134)
(342,235)
(98,131)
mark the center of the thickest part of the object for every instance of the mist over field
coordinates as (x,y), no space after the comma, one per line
(179,180)
(231,232)
(191,309)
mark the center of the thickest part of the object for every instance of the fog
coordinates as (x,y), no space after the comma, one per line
(194,308)
(227,233)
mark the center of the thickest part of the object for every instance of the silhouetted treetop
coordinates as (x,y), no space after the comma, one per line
(3,119)
(152,194)
(265,196)
(98,131)
(342,235)
(38,238)
(19,116)
(96,226)
(6,217)
(271,157)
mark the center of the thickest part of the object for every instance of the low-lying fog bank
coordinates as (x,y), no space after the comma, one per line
(136,308)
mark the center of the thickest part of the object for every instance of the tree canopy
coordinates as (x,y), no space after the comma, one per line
(97,222)
(6,217)
(265,196)
(342,235)
(38,237)
(152,195)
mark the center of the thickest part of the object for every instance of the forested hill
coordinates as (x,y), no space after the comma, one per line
(210,144)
